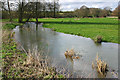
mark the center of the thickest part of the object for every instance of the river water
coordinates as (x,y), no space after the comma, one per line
(31,35)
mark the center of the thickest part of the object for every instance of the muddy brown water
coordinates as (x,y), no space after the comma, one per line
(55,43)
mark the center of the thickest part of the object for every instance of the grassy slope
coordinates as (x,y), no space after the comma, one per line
(87,27)
(9,50)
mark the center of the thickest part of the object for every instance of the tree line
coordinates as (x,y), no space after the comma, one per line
(84,11)
(27,9)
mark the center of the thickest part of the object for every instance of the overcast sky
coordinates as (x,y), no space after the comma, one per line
(69,5)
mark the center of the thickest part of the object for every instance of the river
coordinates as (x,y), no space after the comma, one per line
(55,43)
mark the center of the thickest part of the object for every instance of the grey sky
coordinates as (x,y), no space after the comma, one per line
(70,5)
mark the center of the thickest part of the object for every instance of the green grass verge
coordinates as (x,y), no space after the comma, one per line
(11,25)
(87,27)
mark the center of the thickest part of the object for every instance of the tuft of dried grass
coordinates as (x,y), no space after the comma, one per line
(101,66)
(7,35)
(98,39)
(71,54)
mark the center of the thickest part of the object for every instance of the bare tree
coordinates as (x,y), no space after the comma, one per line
(29,9)
(119,10)
(21,10)
(44,8)
(36,11)
(26,9)
(9,10)
(55,7)
(5,6)
(2,5)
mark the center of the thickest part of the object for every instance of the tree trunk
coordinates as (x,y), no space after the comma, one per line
(9,10)
(44,12)
(54,8)
(28,18)
(36,12)
(119,13)
(21,5)
(44,8)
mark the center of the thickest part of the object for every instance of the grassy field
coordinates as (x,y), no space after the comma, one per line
(87,27)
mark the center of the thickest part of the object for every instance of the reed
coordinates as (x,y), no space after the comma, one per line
(71,54)
(98,39)
(101,66)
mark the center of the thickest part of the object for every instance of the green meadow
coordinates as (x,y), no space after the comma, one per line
(86,27)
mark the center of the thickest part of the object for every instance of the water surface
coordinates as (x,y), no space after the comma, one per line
(55,43)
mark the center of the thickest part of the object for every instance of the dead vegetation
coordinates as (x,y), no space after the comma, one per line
(101,66)
(98,39)
(34,65)
(25,64)
(5,35)
(76,19)
(71,54)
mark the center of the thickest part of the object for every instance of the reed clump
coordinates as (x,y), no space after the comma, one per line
(71,54)
(101,66)
(98,39)
(53,29)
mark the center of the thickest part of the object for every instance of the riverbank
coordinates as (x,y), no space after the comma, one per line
(55,45)
(107,28)
(20,64)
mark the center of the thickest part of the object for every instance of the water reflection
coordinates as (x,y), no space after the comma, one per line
(70,63)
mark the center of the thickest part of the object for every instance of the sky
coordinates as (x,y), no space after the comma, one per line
(70,5)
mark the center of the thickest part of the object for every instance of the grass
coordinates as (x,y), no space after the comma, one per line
(107,28)
(12,25)
(7,20)
(86,27)
(15,62)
